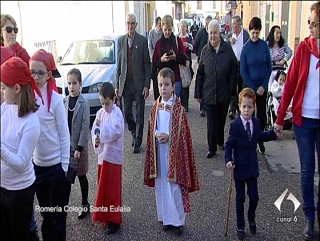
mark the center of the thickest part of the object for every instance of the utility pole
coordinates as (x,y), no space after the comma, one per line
(112,17)
(21,32)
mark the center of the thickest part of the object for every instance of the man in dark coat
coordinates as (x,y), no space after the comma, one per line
(199,42)
(133,78)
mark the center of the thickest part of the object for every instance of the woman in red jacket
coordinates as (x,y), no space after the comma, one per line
(9,33)
(303,86)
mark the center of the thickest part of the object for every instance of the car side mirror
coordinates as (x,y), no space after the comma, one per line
(59,59)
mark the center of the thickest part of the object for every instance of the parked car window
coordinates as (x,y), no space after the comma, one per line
(86,52)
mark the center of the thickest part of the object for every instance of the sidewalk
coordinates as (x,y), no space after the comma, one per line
(282,156)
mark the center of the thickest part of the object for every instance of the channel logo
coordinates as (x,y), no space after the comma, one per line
(290,197)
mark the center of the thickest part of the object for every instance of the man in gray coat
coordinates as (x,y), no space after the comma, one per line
(133,77)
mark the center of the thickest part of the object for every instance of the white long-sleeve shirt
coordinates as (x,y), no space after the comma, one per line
(53,146)
(111,136)
(19,136)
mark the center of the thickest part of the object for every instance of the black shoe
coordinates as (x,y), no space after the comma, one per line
(241,234)
(210,154)
(136,147)
(133,133)
(85,211)
(253,227)
(112,228)
(202,114)
(179,230)
(261,148)
(34,236)
(167,227)
(187,109)
(232,114)
(221,147)
(309,230)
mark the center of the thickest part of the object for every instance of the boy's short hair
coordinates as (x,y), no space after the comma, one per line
(107,90)
(249,93)
(77,73)
(167,73)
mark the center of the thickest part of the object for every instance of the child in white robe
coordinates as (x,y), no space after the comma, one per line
(107,138)
(169,159)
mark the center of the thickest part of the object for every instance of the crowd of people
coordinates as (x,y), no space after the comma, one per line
(233,76)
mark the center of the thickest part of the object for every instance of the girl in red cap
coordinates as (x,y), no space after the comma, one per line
(20,130)
(52,152)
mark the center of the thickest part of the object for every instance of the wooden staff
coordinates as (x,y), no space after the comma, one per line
(229,201)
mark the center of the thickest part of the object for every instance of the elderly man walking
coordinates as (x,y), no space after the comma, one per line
(133,77)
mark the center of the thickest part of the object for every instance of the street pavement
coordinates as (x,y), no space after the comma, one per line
(279,171)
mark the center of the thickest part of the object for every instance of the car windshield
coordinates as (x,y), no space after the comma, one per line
(90,52)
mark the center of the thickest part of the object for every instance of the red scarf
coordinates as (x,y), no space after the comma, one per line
(16,71)
(6,53)
(181,160)
(47,59)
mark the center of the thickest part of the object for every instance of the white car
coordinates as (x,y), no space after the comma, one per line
(97,61)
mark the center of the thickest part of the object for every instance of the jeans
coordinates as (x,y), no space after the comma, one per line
(307,138)
(177,88)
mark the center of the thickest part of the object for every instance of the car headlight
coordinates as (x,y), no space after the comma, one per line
(92,88)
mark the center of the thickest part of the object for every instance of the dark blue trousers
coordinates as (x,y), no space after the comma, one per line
(252,192)
(216,120)
(51,190)
(16,208)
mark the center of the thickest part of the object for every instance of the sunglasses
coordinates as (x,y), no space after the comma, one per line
(313,24)
(40,73)
(9,29)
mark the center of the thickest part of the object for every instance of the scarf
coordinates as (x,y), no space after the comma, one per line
(47,59)
(16,71)
(6,53)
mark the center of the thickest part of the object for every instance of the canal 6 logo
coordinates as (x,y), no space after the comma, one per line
(295,202)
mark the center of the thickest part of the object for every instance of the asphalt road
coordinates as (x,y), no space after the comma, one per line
(209,205)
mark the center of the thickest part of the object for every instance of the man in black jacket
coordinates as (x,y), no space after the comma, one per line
(199,42)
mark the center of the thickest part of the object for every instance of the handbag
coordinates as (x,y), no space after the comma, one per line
(185,73)
(72,173)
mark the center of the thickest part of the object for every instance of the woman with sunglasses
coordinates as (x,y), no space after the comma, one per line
(9,32)
(303,86)
(280,52)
